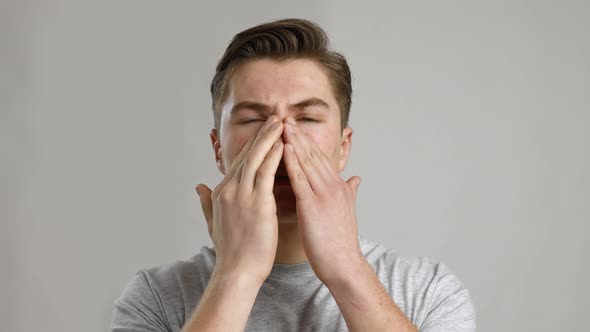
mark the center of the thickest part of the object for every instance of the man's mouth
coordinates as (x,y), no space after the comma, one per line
(282,180)
(281,175)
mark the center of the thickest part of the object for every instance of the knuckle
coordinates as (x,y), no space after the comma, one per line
(262,172)
(300,176)
(342,192)
(215,193)
(249,161)
(339,193)
(226,197)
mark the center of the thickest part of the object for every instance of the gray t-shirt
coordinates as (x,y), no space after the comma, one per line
(292,298)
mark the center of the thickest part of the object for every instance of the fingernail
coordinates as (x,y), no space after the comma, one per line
(197,190)
(275,125)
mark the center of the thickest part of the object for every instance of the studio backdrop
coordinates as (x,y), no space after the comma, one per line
(471,136)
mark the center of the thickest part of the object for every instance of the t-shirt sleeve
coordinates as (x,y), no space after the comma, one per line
(450,307)
(139,308)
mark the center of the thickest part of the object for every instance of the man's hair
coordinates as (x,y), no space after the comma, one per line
(283,40)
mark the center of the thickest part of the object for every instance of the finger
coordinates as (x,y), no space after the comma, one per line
(299,181)
(306,145)
(241,159)
(265,175)
(312,161)
(206,205)
(257,154)
(354,183)
(243,152)
(236,163)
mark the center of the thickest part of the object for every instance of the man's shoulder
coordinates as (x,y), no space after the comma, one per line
(176,276)
(425,288)
(153,292)
(198,266)
(170,281)
(205,257)
(393,266)
(380,256)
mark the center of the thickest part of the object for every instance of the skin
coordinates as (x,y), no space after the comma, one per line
(288,83)
(255,219)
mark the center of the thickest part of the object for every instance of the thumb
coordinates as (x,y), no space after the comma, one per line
(354,182)
(206,204)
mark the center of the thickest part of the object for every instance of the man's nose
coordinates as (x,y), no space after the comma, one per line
(283,119)
(281,113)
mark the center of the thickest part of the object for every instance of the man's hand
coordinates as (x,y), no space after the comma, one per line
(325,207)
(242,222)
(328,231)
(241,210)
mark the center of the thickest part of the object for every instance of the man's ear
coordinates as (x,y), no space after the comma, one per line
(345,145)
(217,150)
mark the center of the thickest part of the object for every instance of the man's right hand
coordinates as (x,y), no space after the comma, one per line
(241,211)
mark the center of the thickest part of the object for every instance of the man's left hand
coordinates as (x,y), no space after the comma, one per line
(325,208)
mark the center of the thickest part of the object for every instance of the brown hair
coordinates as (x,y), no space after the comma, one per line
(282,40)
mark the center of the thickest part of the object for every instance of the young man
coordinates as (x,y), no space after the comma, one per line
(287,255)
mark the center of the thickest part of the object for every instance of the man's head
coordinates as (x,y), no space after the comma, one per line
(282,40)
(283,68)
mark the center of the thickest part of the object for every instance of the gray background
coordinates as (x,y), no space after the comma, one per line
(471,137)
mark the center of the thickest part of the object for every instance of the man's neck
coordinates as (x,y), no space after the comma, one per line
(289,248)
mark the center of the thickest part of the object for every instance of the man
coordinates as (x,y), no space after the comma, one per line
(287,255)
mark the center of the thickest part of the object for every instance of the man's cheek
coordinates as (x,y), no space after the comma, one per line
(236,143)
(240,142)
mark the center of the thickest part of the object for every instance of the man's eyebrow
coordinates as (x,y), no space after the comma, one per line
(314,101)
(256,106)
(252,105)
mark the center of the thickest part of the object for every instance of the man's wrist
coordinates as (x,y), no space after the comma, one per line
(348,273)
(241,279)
(226,302)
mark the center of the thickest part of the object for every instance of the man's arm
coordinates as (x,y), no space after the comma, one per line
(225,305)
(364,302)
(242,222)
(328,230)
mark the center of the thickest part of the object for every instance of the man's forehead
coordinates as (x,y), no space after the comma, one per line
(270,81)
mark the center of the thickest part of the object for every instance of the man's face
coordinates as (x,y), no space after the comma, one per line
(272,87)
